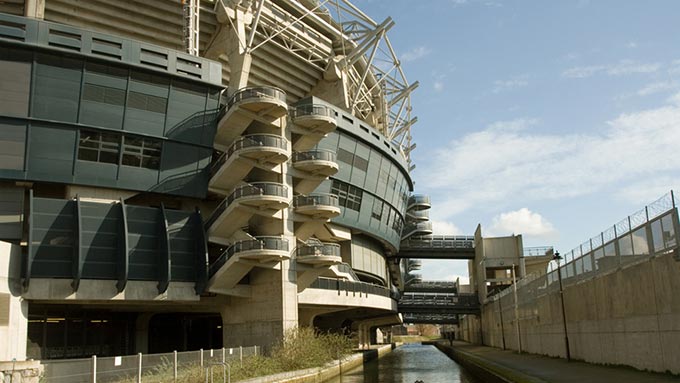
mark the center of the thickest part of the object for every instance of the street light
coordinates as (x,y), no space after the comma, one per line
(557,258)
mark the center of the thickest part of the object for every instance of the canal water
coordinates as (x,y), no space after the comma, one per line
(407,364)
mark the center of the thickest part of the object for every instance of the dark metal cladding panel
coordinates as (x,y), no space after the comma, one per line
(53,238)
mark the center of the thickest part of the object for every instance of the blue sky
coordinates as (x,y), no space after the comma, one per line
(554,119)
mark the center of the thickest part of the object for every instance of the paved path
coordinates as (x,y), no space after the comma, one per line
(535,368)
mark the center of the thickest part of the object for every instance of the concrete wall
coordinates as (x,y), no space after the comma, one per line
(629,316)
(13,309)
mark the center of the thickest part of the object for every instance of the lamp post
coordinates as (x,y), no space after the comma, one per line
(557,258)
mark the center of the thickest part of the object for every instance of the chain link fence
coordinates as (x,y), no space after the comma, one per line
(141,367)
(650,231)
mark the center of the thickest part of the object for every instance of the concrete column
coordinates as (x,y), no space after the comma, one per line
(34,8)
(263,318)
(13,308)
(142,333)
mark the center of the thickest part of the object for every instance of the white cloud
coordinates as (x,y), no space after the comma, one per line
(513,83)
(509,160)
(632,44)
(622,68)
(647,190)
(438,86)
(415,54)
(582,71)
(657,87)
(522,221)
(674,99)
(626,67)
(445,227)
(445,270)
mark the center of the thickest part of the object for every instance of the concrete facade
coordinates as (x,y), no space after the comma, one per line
(253,184)
(628,316)
(13,307)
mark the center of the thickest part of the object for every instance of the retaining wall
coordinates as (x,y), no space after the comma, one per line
(628,316)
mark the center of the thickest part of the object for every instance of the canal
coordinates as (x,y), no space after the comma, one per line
(407,364)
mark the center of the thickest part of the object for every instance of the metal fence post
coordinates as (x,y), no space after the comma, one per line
(94,369)
(224,354)
(201,357)
(174,355)
(139,368)
(240,353)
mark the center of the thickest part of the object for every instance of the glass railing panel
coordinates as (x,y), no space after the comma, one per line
(257,92)
(324,249)
(316,199)
(314,155)
(312,110)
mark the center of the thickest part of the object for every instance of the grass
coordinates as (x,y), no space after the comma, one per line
(301,348)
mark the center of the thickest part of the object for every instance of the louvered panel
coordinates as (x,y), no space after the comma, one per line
(155,21)
(13,7)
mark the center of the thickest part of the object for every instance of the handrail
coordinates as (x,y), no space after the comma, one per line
(350,286)
(321,249)
(418,199)
(312,110)
(253,189)
(439,242)
(536,251)
(257,243)
(249,141)
(315,154)
(317,199)
(256,92)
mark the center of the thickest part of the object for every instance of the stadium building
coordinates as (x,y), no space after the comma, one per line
(198,174)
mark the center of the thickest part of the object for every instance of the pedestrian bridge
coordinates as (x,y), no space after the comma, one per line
(437,247)
(436,308)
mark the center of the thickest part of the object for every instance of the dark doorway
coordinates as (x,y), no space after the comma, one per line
(184,332)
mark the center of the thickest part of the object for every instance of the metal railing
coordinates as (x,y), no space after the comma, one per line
(439,299)
(319,249)
(418,202)
(167,367)
(253,189)
(249,141)
(417,227)
(346,268)
(315,155)
(361,288)
(536,251)
(257,92)
(317,199)
(652,230)
(439,242)
(312,110)
(257,243)
(418,215)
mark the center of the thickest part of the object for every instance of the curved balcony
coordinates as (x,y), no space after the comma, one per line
(418,202)
(263,104)
(319,206)
(264,151)
(262,195)
(266,248)
(235,262)
(262,198)
(261,100)
(318,254)
(317,162)
(418,215)
(314,117)
(418,228)
(311,123)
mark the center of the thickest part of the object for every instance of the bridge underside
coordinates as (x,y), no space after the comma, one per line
(429,253)
(431,318)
